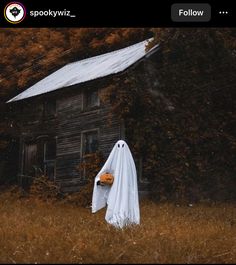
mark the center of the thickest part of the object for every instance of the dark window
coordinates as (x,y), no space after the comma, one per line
(50,149)
(49,108)
(50,158)
(90,142)
(91,99)
(50,169)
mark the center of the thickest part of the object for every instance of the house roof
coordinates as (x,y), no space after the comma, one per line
(87,69)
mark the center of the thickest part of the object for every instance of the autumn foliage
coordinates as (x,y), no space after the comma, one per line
(183,127)
(88,168)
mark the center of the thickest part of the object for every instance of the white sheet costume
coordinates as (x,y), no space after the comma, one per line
(121,197)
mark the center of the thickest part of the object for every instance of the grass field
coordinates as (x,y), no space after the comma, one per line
(32,231)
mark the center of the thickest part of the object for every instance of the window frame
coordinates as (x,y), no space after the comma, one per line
(83,155)
(85,94)
(46,114)
(48,161)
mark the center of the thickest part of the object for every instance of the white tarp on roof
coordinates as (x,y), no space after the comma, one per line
(87,69)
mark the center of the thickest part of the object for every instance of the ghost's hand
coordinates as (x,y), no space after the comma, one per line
(106,179)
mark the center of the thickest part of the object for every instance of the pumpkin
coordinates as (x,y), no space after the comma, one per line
(106,179)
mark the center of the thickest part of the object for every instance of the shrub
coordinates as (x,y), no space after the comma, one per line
(90,166)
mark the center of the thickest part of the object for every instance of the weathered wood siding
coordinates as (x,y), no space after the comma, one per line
(34,128)
(72,122)
(67,127)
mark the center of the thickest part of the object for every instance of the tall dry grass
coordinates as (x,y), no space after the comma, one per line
(32,231)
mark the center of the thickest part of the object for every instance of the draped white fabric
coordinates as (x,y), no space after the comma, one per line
(122,197)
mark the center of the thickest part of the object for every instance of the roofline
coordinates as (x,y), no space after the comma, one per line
(125,71)
(147,55)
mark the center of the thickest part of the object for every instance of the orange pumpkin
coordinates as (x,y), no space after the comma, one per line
(106,179)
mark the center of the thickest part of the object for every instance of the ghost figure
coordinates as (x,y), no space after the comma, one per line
(121,197)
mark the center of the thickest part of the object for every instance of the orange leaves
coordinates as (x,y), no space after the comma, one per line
(23,78)
(113,38)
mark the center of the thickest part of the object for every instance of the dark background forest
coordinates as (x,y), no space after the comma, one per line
(189,148)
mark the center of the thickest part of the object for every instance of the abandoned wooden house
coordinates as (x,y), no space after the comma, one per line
(62,118)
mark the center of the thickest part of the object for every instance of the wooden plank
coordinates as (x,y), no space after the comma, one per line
(68,125)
